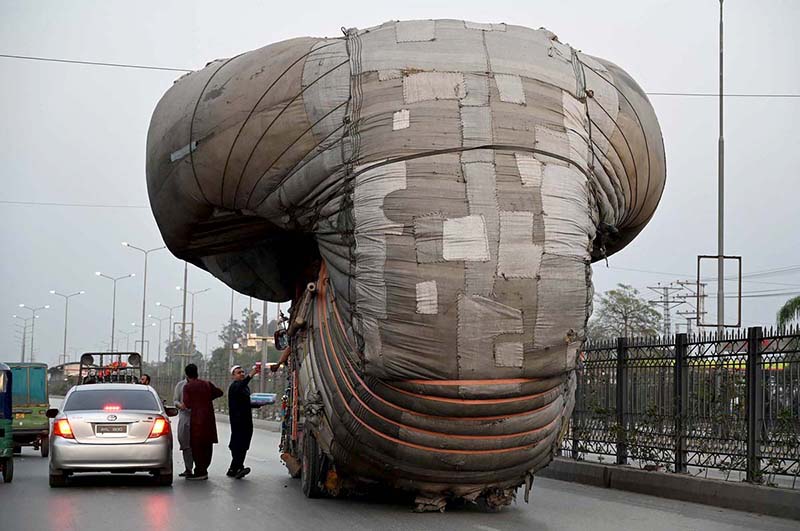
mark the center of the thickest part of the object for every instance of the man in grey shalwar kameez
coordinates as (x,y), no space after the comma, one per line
(184,425)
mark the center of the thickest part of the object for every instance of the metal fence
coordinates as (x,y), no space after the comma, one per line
(165,383)
(722,406)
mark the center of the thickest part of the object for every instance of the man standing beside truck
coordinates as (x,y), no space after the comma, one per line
(184,426)
(241,418)
(199,396)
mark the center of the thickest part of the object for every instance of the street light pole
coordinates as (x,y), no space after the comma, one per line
(160,326)
(721,194)
(33,322)
(24,334)
(146,357)
(206,334)
(66,314)
(192,293)
(170,309)
(146,252)
(113,302)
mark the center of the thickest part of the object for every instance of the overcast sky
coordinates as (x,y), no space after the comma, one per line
(76,134)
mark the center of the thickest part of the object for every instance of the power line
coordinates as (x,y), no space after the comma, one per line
(768,272)
(94,63)
(171,69)
(78,205)
(730,95)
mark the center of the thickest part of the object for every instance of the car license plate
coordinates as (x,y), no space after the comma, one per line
(19,416)
(112,429)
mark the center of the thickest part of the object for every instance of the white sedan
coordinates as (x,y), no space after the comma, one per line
(116,427)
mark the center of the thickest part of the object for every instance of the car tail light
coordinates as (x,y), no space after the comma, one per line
(160,428)
(112,407)
(63,429)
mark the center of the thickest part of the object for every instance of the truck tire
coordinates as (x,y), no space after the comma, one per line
(311,473)
(8,470)
(44,447)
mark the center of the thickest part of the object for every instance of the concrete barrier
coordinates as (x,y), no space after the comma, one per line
(783,503)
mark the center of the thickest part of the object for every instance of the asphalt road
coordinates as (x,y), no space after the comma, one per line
(269,500)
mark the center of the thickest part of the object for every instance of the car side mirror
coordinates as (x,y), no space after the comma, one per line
(171,411)
(51,413)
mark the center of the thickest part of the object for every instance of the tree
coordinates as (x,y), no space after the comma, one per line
(789,312)
(236,332)
(622,312)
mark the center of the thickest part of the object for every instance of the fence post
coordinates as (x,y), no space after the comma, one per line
(574,453)
(622,400)
(681,394)
(754,404)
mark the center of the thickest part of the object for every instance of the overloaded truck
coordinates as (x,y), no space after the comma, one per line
(430,195)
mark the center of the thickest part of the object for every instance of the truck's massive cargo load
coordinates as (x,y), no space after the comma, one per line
(449,183)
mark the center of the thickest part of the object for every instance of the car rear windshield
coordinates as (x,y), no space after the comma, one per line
(112,400)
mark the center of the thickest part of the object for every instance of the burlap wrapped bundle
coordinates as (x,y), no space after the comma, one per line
(447,184)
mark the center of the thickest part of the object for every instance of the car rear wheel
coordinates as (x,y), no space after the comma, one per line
(58,480)
(45,447)
(164,479)
(8,469)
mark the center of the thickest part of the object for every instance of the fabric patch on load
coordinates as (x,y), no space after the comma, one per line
(508,354)
(427,298)
(476,128)
(477,90)
(568,226)
(480,320)
(386,75)
(426,86)
(518,256)
(400,120)
(415,30)
(530,169)
(482,199)
(510,88)
(484,27)
(371,228)
(465,239)
(552,141)
(428,239)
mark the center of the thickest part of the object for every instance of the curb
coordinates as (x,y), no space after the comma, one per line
(783,503)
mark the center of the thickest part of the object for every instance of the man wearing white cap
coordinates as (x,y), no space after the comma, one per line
(239,409)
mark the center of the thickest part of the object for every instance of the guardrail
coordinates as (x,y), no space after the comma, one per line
(719,406)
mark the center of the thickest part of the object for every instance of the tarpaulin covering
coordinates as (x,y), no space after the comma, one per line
(456,180)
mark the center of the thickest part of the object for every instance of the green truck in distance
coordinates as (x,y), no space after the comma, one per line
(29,401)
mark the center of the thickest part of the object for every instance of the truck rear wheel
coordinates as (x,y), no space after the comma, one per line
(311,473)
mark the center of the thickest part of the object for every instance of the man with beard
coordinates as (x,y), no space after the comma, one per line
(241,418)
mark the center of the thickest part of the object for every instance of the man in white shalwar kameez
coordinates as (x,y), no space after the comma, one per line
(184,425)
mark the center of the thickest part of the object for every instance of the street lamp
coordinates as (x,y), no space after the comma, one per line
(24,333)
(113,301)
(192,293)
(33,321)
(170,309)
(127,338)
(206,334)
(137,325)
(160,325)
(144,282)
(66,314)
